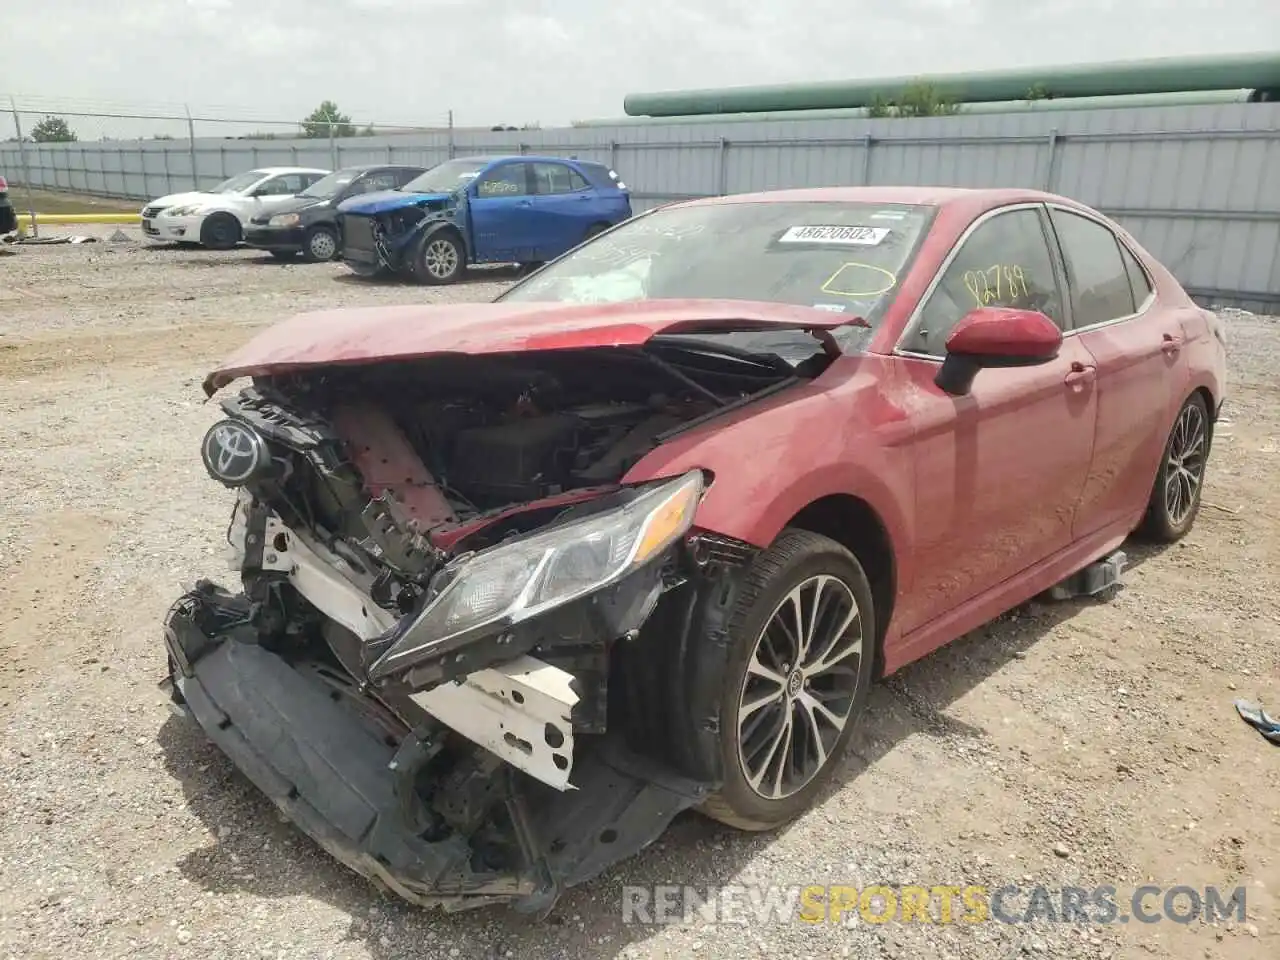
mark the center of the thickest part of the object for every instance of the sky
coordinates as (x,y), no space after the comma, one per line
(546,61)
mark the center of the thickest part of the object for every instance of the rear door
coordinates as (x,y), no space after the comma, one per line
(565,205)
(1136,346)
(502,215)
(999,472)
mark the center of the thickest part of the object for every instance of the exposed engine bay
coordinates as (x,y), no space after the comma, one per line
(455,662)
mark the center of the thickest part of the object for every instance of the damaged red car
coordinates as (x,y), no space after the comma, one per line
(521,581)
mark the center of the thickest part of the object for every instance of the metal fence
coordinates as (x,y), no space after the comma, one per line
(1198,185)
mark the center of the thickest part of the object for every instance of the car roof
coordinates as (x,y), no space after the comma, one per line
(928,196)
(361,167)
(524,156)
(275,171)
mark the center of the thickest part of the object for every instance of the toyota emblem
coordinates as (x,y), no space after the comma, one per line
(233,452)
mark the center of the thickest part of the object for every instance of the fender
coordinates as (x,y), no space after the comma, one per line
(862,457)
(455,216)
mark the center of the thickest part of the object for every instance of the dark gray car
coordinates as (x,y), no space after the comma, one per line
(308,224)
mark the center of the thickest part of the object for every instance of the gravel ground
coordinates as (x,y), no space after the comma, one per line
(1081,743)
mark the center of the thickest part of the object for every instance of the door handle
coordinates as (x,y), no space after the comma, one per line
(524,203)
(1080,375)
(1171,345)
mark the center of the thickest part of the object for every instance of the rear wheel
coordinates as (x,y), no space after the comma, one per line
(1175,496)
(798,676)
(440,259)
(322,244)
(220,231)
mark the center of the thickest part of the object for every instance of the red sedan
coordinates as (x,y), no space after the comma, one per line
(522,580)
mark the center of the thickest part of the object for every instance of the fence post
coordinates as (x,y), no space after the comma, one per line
(191,135)
(722,178)
(613,156)
(1051,168)
(452,146)
(333,148)
(26,168)
(867,142)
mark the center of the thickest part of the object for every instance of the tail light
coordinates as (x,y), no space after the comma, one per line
(4,185)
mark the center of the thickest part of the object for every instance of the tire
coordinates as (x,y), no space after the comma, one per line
(810,566)
(321,245)
(220,231)
(594,231)
(285,255)
(440,259)
(1174,502)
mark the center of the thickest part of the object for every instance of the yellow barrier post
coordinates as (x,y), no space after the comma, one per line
(24,219)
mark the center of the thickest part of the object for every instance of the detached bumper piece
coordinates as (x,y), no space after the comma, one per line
(341,776)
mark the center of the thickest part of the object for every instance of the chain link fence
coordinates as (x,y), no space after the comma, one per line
(139,155)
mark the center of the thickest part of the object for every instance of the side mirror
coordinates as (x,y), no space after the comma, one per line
(996,337)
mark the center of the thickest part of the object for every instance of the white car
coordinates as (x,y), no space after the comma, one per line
(216,218)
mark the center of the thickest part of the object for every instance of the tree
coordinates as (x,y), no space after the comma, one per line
(52,130)
(917,100)
(325,117)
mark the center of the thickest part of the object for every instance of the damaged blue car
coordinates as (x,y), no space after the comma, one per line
(473,210)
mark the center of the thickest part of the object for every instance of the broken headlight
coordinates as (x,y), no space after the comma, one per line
(522,578)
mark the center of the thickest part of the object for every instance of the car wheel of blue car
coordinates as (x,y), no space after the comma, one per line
(440,259)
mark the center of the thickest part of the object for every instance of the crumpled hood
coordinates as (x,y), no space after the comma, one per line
(359,335)
(370,204)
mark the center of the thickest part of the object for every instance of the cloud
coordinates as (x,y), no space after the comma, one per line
(552,61)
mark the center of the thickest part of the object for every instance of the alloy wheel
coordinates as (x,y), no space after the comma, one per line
(441,258)
(799,687)
(323,246)
(1184,469)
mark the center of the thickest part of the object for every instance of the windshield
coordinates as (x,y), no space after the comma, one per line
(843,257)
(446,177)
(239,183)
(330,186)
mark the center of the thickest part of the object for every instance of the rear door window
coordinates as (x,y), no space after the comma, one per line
(1138,278)
(1101,289)
(552,178)
(1005,262)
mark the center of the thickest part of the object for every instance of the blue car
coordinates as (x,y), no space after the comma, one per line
(520,209)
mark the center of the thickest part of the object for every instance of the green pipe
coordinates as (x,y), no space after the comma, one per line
(1260,71)
(1183,99)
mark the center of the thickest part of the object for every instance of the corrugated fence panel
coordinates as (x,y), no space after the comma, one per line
(1198,186)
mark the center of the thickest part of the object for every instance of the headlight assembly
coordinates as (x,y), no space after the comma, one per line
(186,211)
(284,220)
(514,581)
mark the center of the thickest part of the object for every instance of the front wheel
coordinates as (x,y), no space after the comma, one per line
(1175,495)
(799,670)
(220,231)
(440,259)
(321,244)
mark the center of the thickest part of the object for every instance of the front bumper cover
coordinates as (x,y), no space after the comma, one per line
(330,770)
(266,237)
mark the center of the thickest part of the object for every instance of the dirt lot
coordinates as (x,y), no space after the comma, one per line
(1082,743)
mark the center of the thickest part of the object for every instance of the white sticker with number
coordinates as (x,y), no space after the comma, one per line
(837,234)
